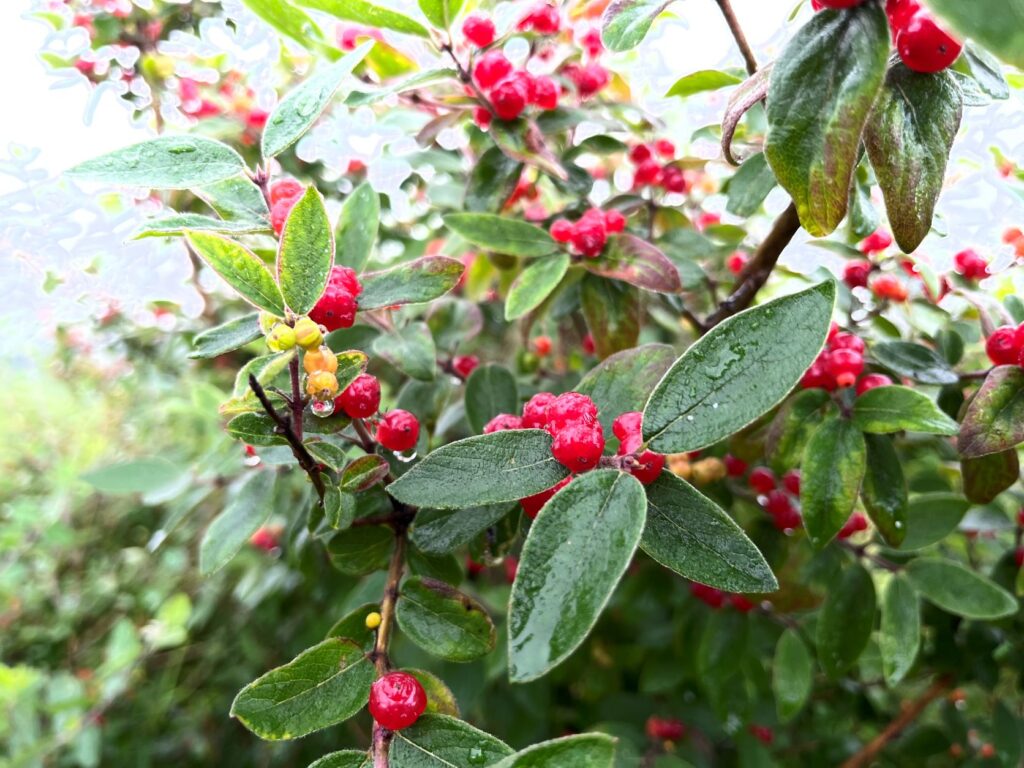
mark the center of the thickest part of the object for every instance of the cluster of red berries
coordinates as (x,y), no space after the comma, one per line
(650,171)
(1006,345)
(588,235)
(397,700)
(857,273)
(284,195)
(664,729)
(779,503)
(717,599)
(922,44)
(971,265)
(510,91)
(542,19)
(841,365)
(338,305)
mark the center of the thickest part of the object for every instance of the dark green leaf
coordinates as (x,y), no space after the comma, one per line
(724,638)
(884,410)
(492,180)
(612,311)
(931,517)
(339,507)
(750,185)
(415,282)
(302,106)
(438,741)
(502,235)
(913,361)
(487,469)
(986,71)
(587,750)
(138,476)
(996,24)
(960,591)
(693,536)
(792,675)
(793,426)
(440,699)
(987,476)
(439,531)
(846,620)
(226,337)
(364,473)
(241,269)
(347,758)
(577,550)
(178,223)
(884,491)
(833,467)
(166,162)
(701,81)
(443,621)
(624,381)
(353,625)
(372,15)
(534,284)
(327,453)
(361,550)
(908,139)
(306,253)
(820,96)
(994,421)
(410,349)
(738,371)
(356,232)
(1007,735)
(626,22)
(320,687)
(899,633)
(490,390)
(255,429)
(637,262)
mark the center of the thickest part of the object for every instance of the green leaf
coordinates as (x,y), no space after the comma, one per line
(987,476)
(372,15)
(356,232)
(364,473)
(793,426)
(352,625)
(702,81)
(612,311)
(339,507)
(693,536)
(490,390)
(246,511)
(534,284)
(327,453)
(899,633)
(637,262)
(724,638)
(176,224)
(834,464)
(415,282)
(884,410)
(438,741)
(410,349)
(624,381)
(491,181)
(306,253)
(138,476)
(241,269)
(501,235)
(820,95)
(427,77)
(577,550)
(441,13)
(346,758)
(884,491)
(487,469)
(320,687)
(1007,735)
(226,337)
(440,531)
(626,22)
(986,71)
(738,371)
(166,162)
(586,750)
(908,140)
(236,199)
(792,675)
(750,185)
(443,621)
(994,421)
(302,106)
(914,361)
(255,429)
(959,590)
(361,550)
(996,24)
(291,22)
(931,517)
(265,368)
(846,620)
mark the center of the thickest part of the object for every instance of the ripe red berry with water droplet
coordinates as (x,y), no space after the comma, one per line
(503,422)
(924,46)
(398,430)
(856,273)
(338,305)
(578,447)
(509,98)
(397,700)
(844,365)
(568,409)
(871,381)
(535,412)
(361,398)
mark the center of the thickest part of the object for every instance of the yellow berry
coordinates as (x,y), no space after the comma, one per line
(268,321)
(709,470)
(281,338)
(308,334)
(679,465)
(372,620)
(322,359)
(322,385)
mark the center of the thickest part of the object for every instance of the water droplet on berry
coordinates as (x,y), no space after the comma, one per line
(322,408)
(252,461)
(477,756)
(406,457)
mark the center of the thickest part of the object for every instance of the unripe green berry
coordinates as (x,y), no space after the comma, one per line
(281,338)
(267,322)
(308,334)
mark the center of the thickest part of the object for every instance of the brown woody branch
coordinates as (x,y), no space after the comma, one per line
(737,32)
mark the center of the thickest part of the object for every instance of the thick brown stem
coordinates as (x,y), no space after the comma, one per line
(381,743)
(296,399)
(737,32)
(909,714)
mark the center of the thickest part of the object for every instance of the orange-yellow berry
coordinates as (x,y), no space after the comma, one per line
(322,385)
(322,359)
(308,334)
(372,620)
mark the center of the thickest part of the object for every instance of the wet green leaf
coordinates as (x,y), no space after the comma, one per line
(626,22)
(166,162)
(414,282)
(632,260)
(833,467)
(443,621)
(306,253)
(884,491)
(500,234)
(356,233)
(534,284)
(994,421)
(490,390)
(372,15)
(241,269)
(960,591)
(884,410)
(899,634)
(438,741)
(792,675)
(846,620)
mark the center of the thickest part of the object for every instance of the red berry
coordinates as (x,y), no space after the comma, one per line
(736,262)
(279,214)
(817,377)
(673,179)
(361,398)
(791,482)
(1020,517)
(647,172)
(589,237)
(780,506)
(578,446)
(1018,557)
(397,700)
(398,430)
(265,538)
(856,273)
(491,68)
(591,43)
(705,220)
(588,344)
(532,504)
(614,221)
(542,346)
(561,230)
(734,467)
(899,12)
(665,148)
(511,568)
(509,98)
(875,242)
(709,595)
(971,265)
(844,365)
(841,340)
(502,422)
(661,729)
(482,117)
(545,92)
(871,381)
(855,524)
(924,46)
(628,428)
(741,603)
(463,365)
(649,466)
(479,30)
(543,19)
(763,733)
(286,189)
(888,286)
(337,307)
(762,480)
(535,411)
(589,79)
(640,153)
(1002,346)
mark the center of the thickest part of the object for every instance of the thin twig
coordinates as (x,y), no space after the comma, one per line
(737,32)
